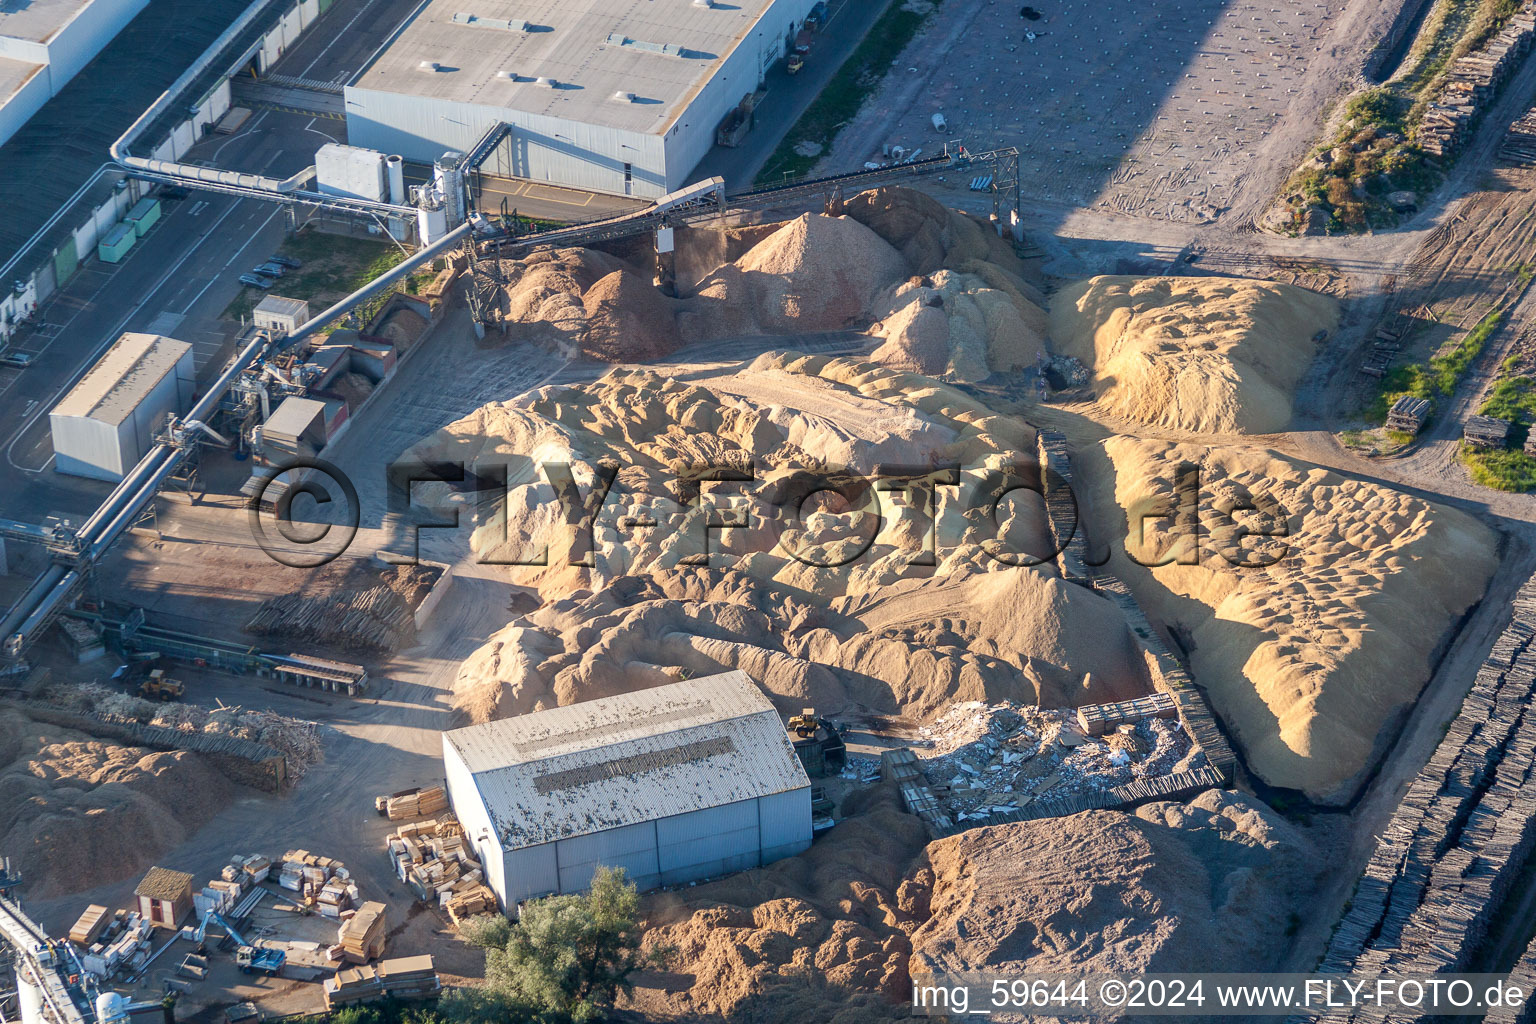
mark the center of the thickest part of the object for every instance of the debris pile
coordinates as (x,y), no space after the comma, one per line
(377,619)
(433,859)
(294,737)
(998,758)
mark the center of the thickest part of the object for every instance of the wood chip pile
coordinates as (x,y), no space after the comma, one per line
(377,619)
(440,867)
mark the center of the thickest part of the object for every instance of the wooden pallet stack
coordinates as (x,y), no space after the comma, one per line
(362,935)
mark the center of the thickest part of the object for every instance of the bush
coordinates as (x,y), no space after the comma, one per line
(1501,470)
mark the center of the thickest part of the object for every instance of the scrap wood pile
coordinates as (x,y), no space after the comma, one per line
(413,803)
(319,880)
(362,934)
(376,619)
(294,738)
(440,867)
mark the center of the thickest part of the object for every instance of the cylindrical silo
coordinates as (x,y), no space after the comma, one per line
(394,172)
(29,995)
(450,185)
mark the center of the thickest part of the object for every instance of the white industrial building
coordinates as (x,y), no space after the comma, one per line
(680,782)
(618,96)
(45,43)
(280,315)
(109,420)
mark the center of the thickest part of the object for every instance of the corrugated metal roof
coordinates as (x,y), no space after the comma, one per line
(164,884)
(282,306)
(662,52)
(131,369)
(629,758)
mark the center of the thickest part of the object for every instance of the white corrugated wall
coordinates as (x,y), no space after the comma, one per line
(465,798)
(631,847)
(714,841)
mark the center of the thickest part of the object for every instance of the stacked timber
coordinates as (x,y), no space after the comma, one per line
(405,977)
(433,858)
(1069,537)
(1457,843)
(362,934)
(416,804)
(375,619)
(1520,144)
(1471,83)
(91,924)
(901,767)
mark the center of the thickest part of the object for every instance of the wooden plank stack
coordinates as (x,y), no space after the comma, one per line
(419,804)
(1471,83)
(402,978)
(90,925)
(362,935)
(433,858)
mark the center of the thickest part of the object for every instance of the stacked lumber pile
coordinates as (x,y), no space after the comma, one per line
(1464,831)
(440,867)
(319,880)
(1471,84)
(376,619)
(362,934)
(402,978)
(90,925)
(416,803)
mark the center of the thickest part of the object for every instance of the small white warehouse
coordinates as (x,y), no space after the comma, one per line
(108,421)
(618,96)
(673,784)
(282,316)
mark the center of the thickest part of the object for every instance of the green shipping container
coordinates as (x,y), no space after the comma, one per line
(117,243)
(143,216)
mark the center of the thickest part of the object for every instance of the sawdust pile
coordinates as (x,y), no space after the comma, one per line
(815,273)
(812,274)
(81,812)
(1213,355)
(959,326)
(818,937)
(1212,885)
(1310,643)
(783,418)
(839,932)
(1014,634)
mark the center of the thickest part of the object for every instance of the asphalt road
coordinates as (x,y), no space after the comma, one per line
(788,95)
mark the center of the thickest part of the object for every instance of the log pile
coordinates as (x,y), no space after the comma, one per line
(433,858)
(1471,84)
(1463,832)
(375,620)
(1519,146)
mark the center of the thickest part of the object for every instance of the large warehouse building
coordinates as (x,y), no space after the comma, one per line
(45,43)
(673,784)
(108,421)
(618,96)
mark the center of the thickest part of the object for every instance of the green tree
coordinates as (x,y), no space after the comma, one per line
(568,957)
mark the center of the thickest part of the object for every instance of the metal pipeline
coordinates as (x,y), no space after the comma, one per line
(139,487)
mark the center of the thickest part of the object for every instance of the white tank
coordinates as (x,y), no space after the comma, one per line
(394,172)
(29,997)
(111,1007)
(431,219)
